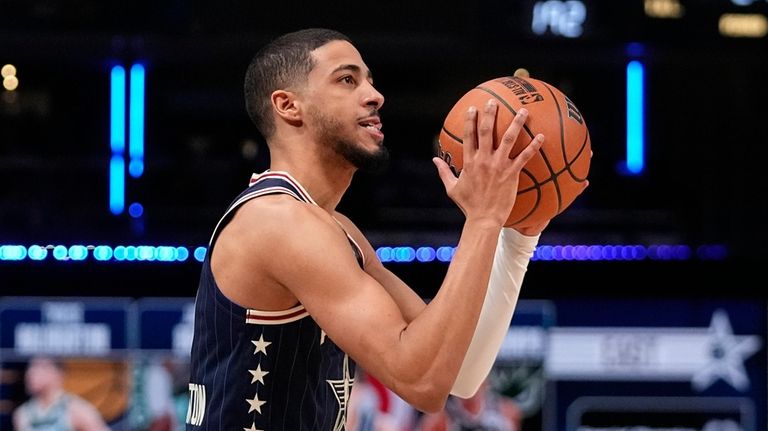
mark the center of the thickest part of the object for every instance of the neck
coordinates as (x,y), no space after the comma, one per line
(325,174)
(49,396)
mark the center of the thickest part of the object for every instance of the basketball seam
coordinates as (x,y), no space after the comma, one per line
(562,146)
(504,102)
(536,187)
(447,132)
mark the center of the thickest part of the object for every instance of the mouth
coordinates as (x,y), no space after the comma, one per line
(372,125)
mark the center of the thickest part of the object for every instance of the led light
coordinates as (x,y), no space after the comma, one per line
(425,254)
(635,118)
(743,25)
(200,254)
(37,252)
(384,254)
(120,253)
(136,210)
(13,252)
(166,254)
(60,253)
(182,254)
(445,254)
(10,83)
(117,110)
(400,254)
(77,252)
(102,253)
(146,252)
(117,185)
(8,70)
(136,122)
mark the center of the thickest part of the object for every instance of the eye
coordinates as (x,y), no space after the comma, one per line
(348,79)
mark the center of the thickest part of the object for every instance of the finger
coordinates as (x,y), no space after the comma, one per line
(485,127)
(445,173)
(584,186)
(469,144)
(528,153)
(510,136)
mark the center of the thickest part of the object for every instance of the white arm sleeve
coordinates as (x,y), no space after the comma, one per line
(513,253)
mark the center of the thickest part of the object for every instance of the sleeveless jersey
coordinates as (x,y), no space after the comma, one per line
(264,370)
(53,418)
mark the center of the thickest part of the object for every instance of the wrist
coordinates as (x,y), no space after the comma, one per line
(513,239)
(484,223)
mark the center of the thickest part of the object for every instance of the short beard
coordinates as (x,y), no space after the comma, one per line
(374,162)
(330,133)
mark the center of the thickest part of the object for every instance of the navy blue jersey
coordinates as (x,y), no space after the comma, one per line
(264,370)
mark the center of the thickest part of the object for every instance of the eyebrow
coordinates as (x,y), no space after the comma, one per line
(354,68)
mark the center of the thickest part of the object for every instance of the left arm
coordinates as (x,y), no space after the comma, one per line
(513,253)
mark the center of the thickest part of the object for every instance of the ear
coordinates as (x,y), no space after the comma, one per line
(286,106)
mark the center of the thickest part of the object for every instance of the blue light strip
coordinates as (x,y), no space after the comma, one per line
(117,185)
(117,141)
(136,122)
(117,110)
(400,254)
(635,118)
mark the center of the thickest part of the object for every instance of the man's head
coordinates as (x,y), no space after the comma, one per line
(284,63)
(314,84)
(43,374)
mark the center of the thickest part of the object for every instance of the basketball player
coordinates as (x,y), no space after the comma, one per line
(50,408)
(292,295)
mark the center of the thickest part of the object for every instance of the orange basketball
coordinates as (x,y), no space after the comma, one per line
(553,178)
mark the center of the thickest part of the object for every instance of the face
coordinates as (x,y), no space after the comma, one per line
(342,106)
(41,374)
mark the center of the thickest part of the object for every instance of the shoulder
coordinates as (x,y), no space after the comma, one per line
(358,236)
(78,403)
(20,415)
(277,229)
(281,210)
(83,414)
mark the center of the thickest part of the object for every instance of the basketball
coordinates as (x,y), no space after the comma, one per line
(552,179)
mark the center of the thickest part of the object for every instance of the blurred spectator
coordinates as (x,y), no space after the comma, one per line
(50,407)
(486,411)
(373,407)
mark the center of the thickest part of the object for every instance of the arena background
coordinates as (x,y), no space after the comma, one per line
(645,304)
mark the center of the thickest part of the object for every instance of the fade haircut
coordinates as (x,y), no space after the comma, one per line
(284,62)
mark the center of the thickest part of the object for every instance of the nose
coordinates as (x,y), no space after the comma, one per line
(373,98)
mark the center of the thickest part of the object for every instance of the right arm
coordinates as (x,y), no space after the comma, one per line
(417,358)
(19,419)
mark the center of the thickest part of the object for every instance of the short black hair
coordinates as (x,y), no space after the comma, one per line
(283,62)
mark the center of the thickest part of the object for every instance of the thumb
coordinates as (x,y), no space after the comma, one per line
(446,175)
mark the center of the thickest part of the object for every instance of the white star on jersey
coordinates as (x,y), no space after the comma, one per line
(261,345)
(342,388)
(252,428)
(258,374)
(255,404)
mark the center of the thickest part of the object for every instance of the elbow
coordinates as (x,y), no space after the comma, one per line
(427,395)
(428,400)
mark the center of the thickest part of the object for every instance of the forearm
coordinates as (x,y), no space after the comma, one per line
(509,267)
(437,339)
